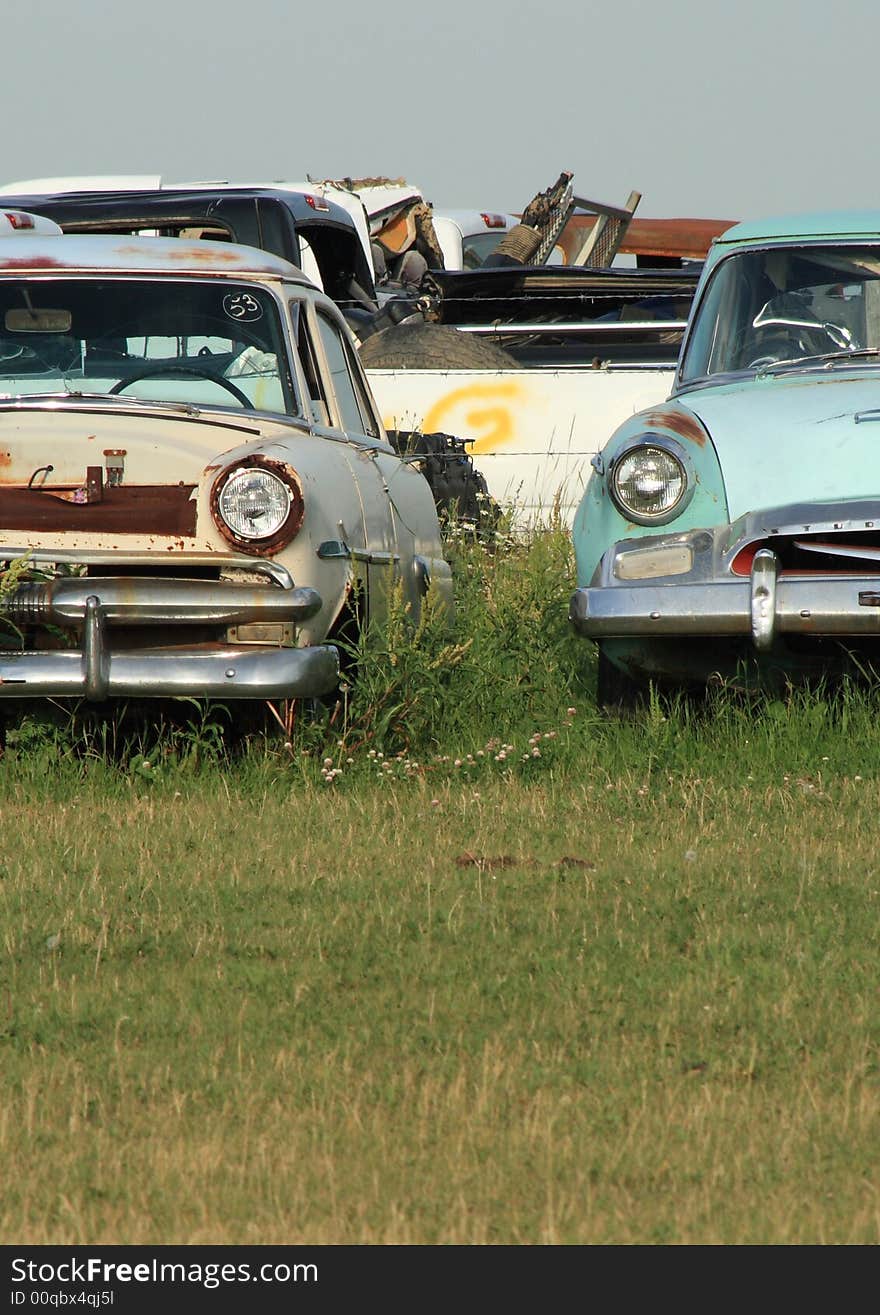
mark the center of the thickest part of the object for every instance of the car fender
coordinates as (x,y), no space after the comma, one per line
(599,523)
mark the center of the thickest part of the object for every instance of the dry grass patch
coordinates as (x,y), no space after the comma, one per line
(299,1016)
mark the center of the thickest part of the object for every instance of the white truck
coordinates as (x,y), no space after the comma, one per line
(533,368)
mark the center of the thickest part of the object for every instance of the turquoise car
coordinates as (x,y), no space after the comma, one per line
(733,532)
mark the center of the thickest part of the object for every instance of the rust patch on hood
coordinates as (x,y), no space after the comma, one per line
(160,509)
(678,422)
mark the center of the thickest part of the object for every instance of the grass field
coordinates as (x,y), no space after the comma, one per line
(472,964)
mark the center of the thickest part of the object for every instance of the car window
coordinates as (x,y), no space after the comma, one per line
(785,304)
(305,347)
(356,412)
(206,342)
(475,247)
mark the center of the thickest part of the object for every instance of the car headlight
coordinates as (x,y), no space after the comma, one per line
(257,504)
(649,482)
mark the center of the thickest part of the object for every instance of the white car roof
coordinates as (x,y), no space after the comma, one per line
(78,253)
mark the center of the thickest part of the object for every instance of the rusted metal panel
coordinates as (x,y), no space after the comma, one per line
(167,509)
(687,239)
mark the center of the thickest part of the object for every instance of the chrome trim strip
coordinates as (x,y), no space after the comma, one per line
(153,601)
(115,557)
(609,327)
(853,551)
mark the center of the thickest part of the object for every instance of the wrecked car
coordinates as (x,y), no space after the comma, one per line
(733,532)
(321,227)
(311,230)
(196,492)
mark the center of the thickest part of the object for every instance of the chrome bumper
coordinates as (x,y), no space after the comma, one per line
(211,670)
(764,606)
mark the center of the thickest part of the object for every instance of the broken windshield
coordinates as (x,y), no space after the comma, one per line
(786,304)
(202,343)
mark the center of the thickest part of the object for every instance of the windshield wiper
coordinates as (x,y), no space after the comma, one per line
(825,361)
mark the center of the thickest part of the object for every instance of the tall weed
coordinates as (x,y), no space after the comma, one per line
(507,661)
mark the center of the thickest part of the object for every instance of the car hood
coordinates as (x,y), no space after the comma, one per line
(91,474)
(784,439)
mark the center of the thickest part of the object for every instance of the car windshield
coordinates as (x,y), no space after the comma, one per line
(199,342)
(786,304)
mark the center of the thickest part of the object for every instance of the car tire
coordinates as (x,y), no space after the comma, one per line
(616,691)
(425,346)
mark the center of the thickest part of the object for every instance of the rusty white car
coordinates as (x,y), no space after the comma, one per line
(194,471)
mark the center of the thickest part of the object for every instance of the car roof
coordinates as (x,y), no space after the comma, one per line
(165,200)
(121,194)
(142,255)
(833,223)
(21,223)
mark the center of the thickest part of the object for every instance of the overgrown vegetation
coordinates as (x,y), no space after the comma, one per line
(507,663)
(463,961)
(11,574)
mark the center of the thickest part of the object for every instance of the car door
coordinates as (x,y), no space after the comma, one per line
(344,409)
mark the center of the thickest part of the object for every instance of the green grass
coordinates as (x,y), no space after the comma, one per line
(407,980)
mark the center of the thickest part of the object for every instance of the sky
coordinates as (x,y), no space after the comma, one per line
(712,111)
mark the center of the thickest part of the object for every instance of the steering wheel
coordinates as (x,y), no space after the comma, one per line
(778,347)
(760,361)
(774,347)
(189,372)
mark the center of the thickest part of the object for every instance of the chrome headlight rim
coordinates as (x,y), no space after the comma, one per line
(282,534)
(669,448)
